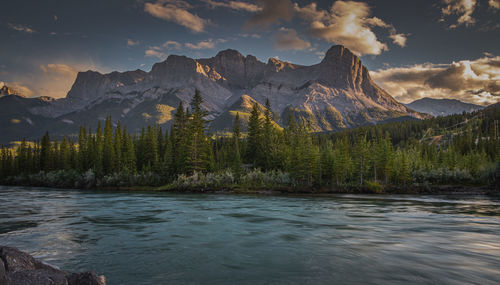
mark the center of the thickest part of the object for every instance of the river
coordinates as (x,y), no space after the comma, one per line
(159,238)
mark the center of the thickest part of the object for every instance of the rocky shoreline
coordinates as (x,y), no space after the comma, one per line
(20,268)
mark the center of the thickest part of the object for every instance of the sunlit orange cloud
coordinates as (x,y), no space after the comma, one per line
(50,79)
(474,81)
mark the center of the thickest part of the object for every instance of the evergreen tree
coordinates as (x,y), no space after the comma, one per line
(108,149)
(254,150)
(65,154)
(46,153)
(237,165)
(118,148)
(267,138)
(83,148)
(361,157)
(179,138)
(98,150)
(198,143)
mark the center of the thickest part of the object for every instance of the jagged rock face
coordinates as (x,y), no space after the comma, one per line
(237,71)
(334,94)
(342,69)
(90,85)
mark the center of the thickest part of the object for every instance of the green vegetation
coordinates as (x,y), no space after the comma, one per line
(454,150)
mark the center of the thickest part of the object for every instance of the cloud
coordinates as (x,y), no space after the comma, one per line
(21,28)
(462,8)
(172,45)
(235,5)
(287,39)
(255,36)
(52,79)
(57,78)
(475,81)
(131,43)
(310,12)
(209,44)
(59,69)
(154,53)
(176,11)
(349,23)
(398,39)
(273,11)
(494,4)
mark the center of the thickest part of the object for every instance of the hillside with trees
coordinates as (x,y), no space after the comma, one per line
(459,149)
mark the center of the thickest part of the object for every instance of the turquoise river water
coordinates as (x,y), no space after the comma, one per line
(159,238)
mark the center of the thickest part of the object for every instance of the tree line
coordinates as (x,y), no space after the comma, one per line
(454,149)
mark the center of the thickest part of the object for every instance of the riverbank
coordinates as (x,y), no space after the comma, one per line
(237,190)
(428,190)
(251,182)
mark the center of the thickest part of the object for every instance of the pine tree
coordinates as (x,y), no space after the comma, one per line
(150,149)
(65,154)
(22,157)
(46,153)
(129,158)
(98,150)
(237,165)
(108,150)
(267,138)
(342,161)
(405,169)
(198,143)
(179,138)
(118,148)
(361,157)
(254,149)
(83,148)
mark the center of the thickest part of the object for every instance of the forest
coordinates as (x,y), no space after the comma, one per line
(459,149)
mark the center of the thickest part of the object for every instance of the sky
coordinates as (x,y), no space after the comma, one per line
(413,48)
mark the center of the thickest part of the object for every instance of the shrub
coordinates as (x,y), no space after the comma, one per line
(374,187)
(226,179)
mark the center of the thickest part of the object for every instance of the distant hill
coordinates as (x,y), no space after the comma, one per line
(442,107)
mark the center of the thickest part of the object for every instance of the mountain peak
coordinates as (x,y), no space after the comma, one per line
(230,53)
(342,68)
(339,54)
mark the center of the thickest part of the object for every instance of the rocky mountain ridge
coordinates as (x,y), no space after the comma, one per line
(334,94)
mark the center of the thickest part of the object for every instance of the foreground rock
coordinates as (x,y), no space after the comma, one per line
(17,267)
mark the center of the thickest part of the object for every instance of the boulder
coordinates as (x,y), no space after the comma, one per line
(3,274)
(20,268)
(86,278)
(37,277)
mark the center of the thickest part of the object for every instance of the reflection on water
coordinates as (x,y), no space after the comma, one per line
(151,238)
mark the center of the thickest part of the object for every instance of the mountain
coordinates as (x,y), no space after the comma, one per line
(442,107)
(6,91)
(334,94)
(16,120)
